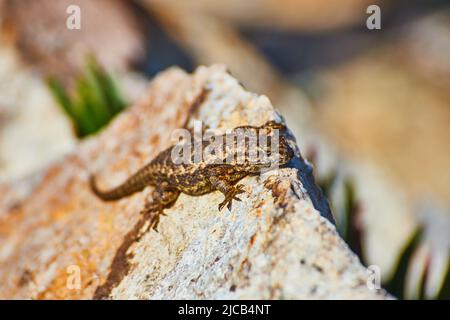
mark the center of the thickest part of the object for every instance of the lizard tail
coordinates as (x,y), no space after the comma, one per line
(134,184)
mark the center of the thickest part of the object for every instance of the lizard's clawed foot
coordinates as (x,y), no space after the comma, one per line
(154,221)
(153,213)
(232,195)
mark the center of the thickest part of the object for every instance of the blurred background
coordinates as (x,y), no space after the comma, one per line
(370,108)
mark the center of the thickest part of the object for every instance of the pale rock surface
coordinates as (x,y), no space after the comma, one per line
(278,243)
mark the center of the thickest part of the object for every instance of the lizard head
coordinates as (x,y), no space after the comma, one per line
(285,151)
(276,152)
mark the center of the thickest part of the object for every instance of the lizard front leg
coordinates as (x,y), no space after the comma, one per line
(162,197)
(229,190)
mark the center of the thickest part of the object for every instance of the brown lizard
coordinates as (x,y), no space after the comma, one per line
(195,179)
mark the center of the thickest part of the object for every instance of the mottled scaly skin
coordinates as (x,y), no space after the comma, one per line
(194,179)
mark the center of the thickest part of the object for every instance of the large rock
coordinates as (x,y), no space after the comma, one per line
(59,241)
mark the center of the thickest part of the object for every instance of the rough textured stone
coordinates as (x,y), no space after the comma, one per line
(277,243)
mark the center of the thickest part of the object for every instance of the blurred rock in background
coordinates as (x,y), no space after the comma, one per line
(277,14)
(389,110)
(34,44)
(38,29)
(32,129)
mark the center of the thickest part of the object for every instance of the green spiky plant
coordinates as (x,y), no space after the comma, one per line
(96,99)
(397,283)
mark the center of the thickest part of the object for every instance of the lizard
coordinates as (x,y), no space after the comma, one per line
(195,179)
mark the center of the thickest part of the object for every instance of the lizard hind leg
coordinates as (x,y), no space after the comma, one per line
(163,197)
(229,190)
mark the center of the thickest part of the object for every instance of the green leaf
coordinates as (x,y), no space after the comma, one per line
(95,102)
(60,94)
(352,231)
(444,294)
(396,284)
